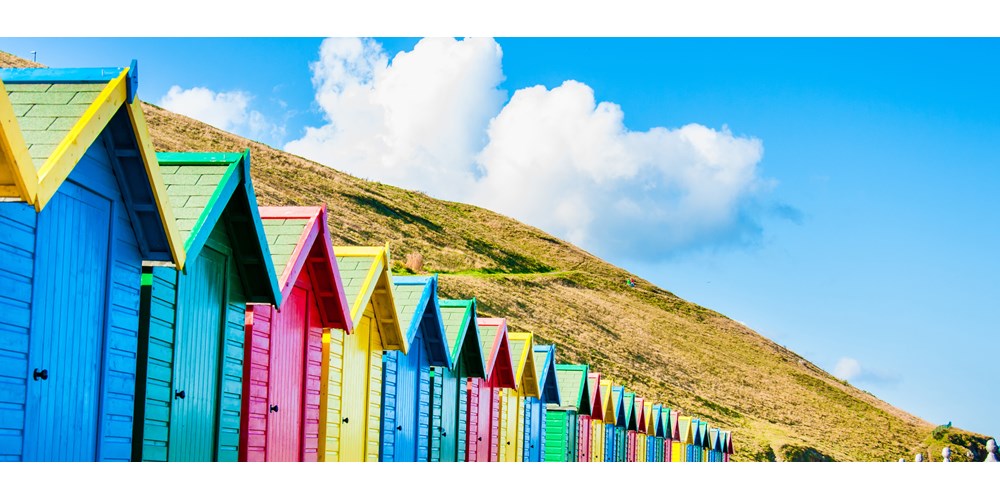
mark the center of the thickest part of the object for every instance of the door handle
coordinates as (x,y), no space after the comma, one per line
(40,374)
(399,427)
(479,439)
(274,408)
(179,395)
(346,420)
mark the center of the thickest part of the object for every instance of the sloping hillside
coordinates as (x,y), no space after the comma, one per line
(665,348)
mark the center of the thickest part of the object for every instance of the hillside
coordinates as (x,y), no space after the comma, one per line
(668,349)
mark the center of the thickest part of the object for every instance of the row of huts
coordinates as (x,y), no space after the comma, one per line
(150,310)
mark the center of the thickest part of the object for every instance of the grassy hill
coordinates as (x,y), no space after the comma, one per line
(779,405)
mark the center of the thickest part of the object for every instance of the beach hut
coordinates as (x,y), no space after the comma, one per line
(612,406)
(684,439)
(510,438)
(191,345)
(351,394)
(652,429)
(631,426)
(283,352)
(640,433)
(618,433)
(706,444)
(484,394)
(536,408)
(715,455)
(659,445)
(406,380)
(567,423)
(82,205)
(673,435)
(449,396)
(595,444)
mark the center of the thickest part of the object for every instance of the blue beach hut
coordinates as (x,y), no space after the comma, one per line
(82,205)
(406,385)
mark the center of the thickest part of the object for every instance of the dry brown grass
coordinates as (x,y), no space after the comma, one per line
(665,348)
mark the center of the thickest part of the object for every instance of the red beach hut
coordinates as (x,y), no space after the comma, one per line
(283,367)
(484,394)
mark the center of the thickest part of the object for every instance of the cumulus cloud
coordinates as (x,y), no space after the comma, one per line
(851,370)
(435,119)
(417,123)
(847,369)
(228,111)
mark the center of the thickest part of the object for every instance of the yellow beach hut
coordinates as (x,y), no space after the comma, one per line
(352,364)
(510,439)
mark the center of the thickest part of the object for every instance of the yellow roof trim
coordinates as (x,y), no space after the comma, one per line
(148,154)
(15,161)
(610,415)
(86,130)
(377,283)
(524,372)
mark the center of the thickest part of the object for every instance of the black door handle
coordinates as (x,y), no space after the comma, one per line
(179,395)
(479,439)
(40,374)
(274,408)
(508,443)
(399,427)
(444,434)
(346,420)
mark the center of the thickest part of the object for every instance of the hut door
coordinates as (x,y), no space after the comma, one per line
(354,399)
(286,388)
(201,305)
(407,393)
(487,422)
(68,325)
(535,441)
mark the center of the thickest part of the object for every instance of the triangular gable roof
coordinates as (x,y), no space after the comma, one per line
(729,442)
(522,345)
(640,414)
(651,418)
(462,332)
(203,187)
(631,414)
(596,400)
(368,280)
(713,438)
(610,414)
(684,425)
(675,424)
(299,240)
(545,371)
(494,340)
(417,308)
(703,430)
(656,423)
(50,117)
(574,388)
(618,403)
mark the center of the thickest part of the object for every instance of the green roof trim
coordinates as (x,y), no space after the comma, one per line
(462,334)
(574,389)
(203,188)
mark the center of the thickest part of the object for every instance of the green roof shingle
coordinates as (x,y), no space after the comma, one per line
(47,111)
(282,237)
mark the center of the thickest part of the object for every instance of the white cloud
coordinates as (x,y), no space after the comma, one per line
(434,119)
(228,111)
(847,369)
(417,123)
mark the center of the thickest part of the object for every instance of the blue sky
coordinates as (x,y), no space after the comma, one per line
(862,230)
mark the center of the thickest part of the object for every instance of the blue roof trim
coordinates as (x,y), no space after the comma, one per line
(427,319)
(549,382)
(60,75)
(259,227)
(132,82)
